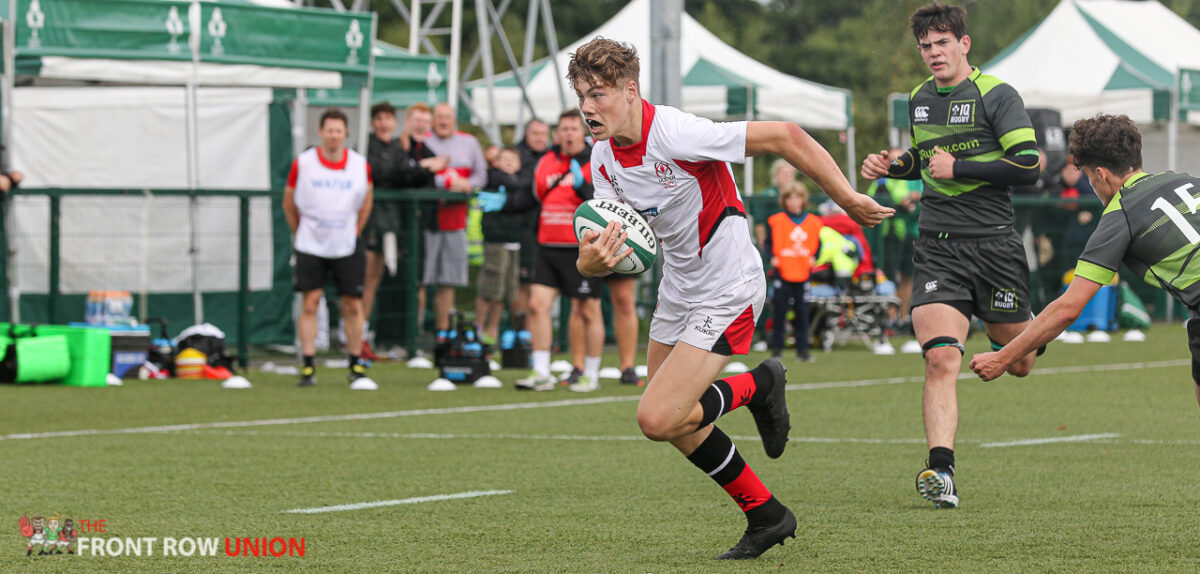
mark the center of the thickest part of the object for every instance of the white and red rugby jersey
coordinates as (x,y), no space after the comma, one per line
(328,195)
(678,177)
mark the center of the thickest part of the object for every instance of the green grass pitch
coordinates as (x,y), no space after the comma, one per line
(1112,486)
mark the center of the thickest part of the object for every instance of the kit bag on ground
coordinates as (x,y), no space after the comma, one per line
(207,339)
(516,345)
(30,358)
(463,358)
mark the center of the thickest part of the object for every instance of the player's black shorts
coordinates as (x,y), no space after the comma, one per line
(385,217)
(984,276)
(1193,330)
(348,272)
(556,268)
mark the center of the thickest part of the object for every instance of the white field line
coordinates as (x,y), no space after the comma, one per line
(564,437)
(1050,440)
(377,504)
(1102,438)
(967,376)
(545,404)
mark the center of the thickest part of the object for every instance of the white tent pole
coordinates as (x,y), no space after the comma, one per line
(850,153)
(6,97)
(552,40)
(455,54)
(364,93)
(527,58)
(1172,141)
(193,149)
(300,122)
(485,51)
(666,82)
(414,28)
(748,167)
(1173,128)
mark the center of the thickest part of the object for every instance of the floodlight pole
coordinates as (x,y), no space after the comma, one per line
(485,51)
(455,54)
(552,40)
(527,59)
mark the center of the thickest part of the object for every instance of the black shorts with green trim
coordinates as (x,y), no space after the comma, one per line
(987,276)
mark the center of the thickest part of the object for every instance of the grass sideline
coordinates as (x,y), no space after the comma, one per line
(590,495)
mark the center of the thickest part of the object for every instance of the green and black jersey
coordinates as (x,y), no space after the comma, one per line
(1151,225)
(979,120)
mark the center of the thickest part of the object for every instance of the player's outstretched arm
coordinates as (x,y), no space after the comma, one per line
(1057,316)
(599,252)
(793,144)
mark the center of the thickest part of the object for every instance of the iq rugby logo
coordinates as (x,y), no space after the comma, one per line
(54,535)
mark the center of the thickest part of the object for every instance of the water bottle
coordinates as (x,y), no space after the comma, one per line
(508,339)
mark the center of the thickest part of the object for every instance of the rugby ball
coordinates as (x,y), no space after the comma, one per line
(594,214)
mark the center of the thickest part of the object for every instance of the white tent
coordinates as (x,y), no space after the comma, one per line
(1111,56)
(719,82)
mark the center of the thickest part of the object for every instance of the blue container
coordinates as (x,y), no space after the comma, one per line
(1100,313)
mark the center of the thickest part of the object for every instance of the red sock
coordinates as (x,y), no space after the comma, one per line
(720,460)
(742,387)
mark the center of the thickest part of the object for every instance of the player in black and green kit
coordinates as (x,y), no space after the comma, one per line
(972,141)
(1150,223)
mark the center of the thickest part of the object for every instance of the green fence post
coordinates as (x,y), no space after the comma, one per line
(412,229)
(55,259)
(243,279)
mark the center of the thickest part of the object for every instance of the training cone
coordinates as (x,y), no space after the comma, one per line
(911,347)
(488,382)
(610,373)
(1098,337)
(736,367)
(1134,336)
(884,349)
(441,384)
(420,363)
(215,373)
(1072,337)
(236,382)
(561,366)
(113,380)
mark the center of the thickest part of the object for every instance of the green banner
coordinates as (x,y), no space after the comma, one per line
(141,29)
(285,37)
(400,79)
(1189,89)
(231,32)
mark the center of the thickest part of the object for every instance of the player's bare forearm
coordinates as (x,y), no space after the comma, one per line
(1054,319)
(289,208)
(793,144)
(798,148)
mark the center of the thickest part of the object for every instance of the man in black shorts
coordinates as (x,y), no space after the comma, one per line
(327,201)
(972,141)
(1149,223)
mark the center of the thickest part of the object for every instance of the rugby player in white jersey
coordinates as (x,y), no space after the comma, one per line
(672,167)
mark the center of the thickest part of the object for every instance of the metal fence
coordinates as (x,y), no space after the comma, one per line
(222,256)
